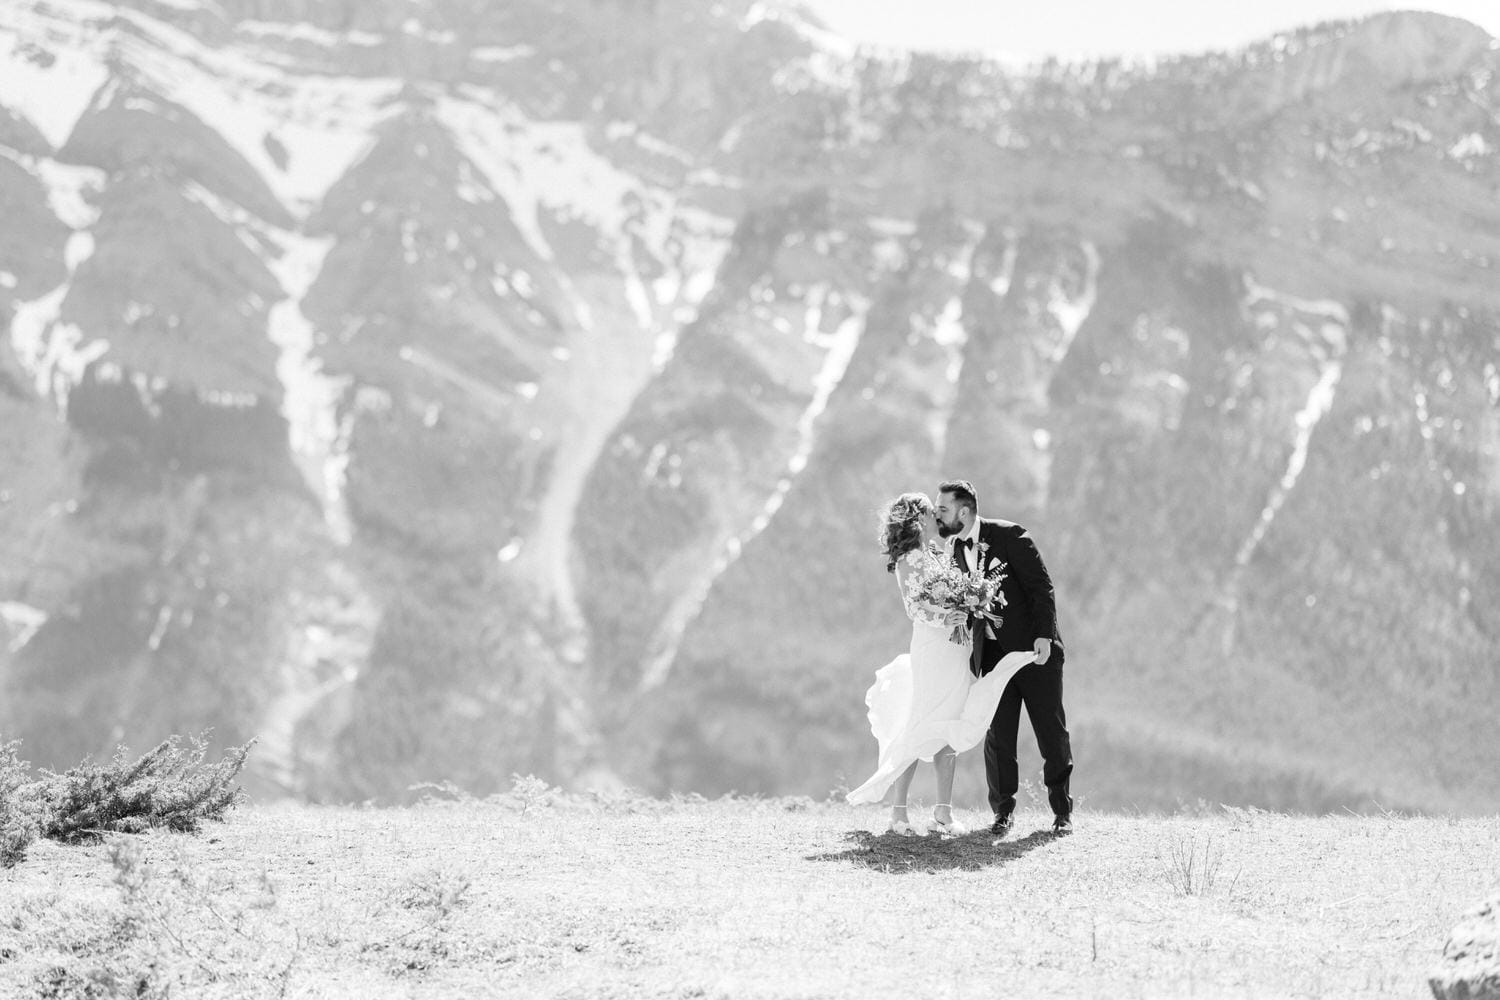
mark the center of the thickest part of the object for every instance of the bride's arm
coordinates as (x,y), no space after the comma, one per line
(917,611)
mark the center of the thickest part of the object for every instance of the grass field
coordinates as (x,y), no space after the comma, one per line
(538,894)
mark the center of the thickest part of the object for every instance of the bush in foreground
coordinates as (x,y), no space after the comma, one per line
(170,787)
(18,826)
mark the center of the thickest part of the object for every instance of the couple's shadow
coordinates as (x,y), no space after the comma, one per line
(898,855)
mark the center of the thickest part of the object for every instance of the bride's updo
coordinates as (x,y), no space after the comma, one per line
(901,526)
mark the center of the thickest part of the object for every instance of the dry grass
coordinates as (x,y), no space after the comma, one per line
(548,895)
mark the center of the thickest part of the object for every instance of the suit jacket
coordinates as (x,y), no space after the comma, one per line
(1030,611)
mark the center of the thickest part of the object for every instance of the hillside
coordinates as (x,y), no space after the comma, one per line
(494,390)
(533,894)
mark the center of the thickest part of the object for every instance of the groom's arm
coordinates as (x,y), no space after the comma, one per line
(1026,563)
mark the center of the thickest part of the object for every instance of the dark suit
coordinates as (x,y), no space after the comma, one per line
(1030,613)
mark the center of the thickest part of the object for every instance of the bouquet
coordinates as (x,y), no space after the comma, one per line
(974,592)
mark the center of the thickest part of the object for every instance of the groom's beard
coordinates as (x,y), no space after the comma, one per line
(948,530)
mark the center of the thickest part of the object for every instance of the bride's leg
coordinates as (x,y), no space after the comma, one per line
(902,785)
(945,762)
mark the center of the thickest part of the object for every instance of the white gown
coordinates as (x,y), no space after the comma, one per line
(926,699)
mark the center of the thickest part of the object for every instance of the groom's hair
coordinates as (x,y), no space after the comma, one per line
(961,490)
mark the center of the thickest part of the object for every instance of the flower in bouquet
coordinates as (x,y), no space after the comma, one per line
(974,592)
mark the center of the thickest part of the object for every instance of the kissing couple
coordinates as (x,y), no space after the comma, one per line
(984,642)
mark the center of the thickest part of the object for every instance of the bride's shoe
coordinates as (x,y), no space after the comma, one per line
(900,827)
(950,826)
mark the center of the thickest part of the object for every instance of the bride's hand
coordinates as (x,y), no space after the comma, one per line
(954,619)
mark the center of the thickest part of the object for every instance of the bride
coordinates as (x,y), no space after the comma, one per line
(925,705)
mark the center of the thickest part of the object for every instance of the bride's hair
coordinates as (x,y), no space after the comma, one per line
(900,531)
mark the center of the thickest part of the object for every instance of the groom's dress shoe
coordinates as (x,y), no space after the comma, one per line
(1001,826)
(1062,826)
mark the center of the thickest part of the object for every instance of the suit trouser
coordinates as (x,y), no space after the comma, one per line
(1039,687)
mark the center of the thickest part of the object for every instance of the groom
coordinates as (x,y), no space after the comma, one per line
(1028,622)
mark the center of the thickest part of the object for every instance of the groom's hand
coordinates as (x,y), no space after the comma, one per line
(1043,649)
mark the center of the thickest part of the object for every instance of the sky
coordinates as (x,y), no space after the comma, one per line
(1038,28)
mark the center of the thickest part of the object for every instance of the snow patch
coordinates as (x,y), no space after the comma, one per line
(635,289)
(68,187)
(1070,312)
(651,144)
(317,434)
(822,39)
(307,33)
(1470,147)
(893,228)
(700,242)
(324,123)
(331,630)
(1001,282)
(53,353)
(46,77)
(708,177)
(412,27)
(841,345)
(79,248)
(1327,343)
(289,32)
(159,630)
(250,231)
(536,166)
(502,53)
(22,621)
(1319,402)
(549,169)
(951,336)
(1256,294)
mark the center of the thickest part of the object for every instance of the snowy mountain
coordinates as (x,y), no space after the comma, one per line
(444,391)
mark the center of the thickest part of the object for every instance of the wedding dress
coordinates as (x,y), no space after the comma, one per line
(926,698)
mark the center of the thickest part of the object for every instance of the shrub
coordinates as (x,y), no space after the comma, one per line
(171,787)
(530,792)
(18,819)
(1191,871)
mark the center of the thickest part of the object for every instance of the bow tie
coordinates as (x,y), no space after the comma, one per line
(964,542)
